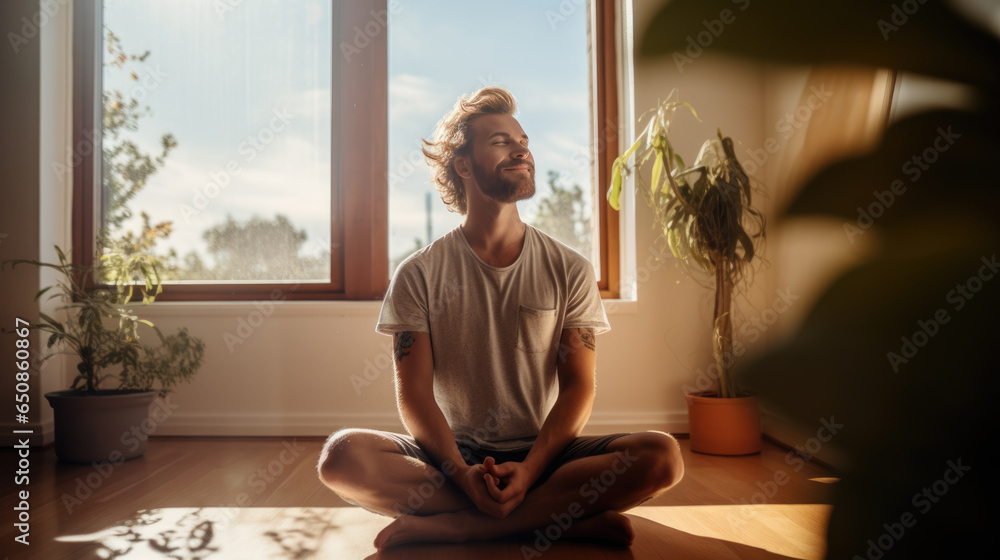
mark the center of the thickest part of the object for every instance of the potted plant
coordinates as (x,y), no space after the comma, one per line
(706,218)
(93,424)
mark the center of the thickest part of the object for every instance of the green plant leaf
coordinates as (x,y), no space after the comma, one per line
(51,321)
(674,242)
(160,334)
(42,291)
(628,153)
(616,184)
(657,171)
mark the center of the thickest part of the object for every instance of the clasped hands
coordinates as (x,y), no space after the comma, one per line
(496,489)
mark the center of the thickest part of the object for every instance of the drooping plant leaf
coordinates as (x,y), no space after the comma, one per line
(41,292)
(52,322)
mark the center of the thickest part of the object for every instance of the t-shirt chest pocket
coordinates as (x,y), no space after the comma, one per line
(536,329)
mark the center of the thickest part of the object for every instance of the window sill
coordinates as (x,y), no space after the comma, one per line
(306,308)
(266,307)
(621,306)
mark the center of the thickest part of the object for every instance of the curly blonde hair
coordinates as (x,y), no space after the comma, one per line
(453,138)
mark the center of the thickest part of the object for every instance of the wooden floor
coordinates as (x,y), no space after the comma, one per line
(247,498)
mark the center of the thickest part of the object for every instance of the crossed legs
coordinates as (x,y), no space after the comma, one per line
(582,497)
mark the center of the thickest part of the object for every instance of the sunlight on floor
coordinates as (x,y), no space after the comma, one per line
(734,531)
(825,479)
(198,533)
(791,530)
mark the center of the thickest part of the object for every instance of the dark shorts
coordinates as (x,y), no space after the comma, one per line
(584,446)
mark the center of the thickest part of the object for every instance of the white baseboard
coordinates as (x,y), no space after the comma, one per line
(610,422)
(322,425)
(285,424)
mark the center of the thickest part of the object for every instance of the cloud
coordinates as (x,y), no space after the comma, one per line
(309,103)
(414,95)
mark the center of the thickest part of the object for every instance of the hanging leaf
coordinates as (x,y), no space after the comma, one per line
(616,184)
(657,172)
(51,321)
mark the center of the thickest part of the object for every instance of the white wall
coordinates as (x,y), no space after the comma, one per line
(292,373)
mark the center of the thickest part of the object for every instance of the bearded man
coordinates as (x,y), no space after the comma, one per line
(494,330)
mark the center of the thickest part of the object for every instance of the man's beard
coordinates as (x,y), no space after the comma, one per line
(505,186)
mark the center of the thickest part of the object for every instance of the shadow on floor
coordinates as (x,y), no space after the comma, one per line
(303,533)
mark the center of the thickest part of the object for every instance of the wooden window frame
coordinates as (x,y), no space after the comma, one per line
(359,159)
(606,125)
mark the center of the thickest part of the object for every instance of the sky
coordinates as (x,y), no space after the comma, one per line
(248,89)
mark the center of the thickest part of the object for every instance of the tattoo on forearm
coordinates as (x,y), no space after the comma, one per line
(402,341)
(587,337)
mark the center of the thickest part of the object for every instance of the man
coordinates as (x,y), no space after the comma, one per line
(495,356)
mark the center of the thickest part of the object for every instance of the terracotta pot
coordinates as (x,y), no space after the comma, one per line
(724,426)
(106,427)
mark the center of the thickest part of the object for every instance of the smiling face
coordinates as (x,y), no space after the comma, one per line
(501,163)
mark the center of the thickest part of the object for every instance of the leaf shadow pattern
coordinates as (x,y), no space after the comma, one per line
(210,532)
(300,535)
(192,537)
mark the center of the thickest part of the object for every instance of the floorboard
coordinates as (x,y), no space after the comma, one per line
(221,498)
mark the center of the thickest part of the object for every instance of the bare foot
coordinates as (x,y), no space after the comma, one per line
(609,527)
(442,528)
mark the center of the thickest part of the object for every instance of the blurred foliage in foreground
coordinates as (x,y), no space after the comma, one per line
(902,349)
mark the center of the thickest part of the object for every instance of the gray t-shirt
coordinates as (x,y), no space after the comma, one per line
(495,332)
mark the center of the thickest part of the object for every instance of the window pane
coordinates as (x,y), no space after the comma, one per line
(217,137)
(539,51)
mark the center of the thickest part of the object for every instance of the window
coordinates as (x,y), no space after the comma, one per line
(262,145)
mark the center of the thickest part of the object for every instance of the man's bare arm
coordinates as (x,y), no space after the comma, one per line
(414,366)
